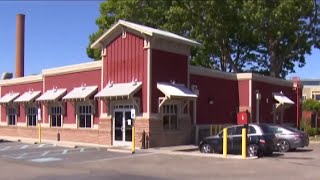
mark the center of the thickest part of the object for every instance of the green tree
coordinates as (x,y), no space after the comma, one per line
(311,105)
(264,36)
(286,30)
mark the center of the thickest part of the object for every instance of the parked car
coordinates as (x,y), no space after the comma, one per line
(289,138)
(260,140)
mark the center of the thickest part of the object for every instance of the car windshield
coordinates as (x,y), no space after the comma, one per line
(266,128)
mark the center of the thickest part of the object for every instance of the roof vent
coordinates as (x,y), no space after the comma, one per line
(6,75)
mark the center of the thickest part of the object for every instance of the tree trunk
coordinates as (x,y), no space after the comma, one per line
(275,64)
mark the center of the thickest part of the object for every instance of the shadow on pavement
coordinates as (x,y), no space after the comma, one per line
(300,150)
(4,141)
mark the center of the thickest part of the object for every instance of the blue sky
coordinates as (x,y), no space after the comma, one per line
(56,34)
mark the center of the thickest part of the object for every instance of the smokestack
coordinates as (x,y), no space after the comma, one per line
(20,46)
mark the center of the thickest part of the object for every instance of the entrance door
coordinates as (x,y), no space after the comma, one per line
(122,128)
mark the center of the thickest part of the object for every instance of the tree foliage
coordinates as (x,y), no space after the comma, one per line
(311,105)
(265,36)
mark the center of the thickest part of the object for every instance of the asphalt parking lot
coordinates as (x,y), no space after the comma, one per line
(55,155)
(47,161)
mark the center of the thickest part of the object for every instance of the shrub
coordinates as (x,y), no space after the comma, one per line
(312,131)
(305,124)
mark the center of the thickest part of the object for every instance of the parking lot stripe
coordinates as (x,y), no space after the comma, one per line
(45,153)
(41,145)
(21,156)
(115,158)
(5,148)
(41,160)
(82,149)
(65,151)
(25,146)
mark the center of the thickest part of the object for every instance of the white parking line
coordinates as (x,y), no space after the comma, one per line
(82,149)
(25,146)
(5,148)
(42,160)
(19,157)
(65,151)
(45,153)
(114,158)
(41,145)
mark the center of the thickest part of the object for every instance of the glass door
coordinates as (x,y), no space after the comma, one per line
(122,128)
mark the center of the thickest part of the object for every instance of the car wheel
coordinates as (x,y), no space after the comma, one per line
(252,150)
(283,146)
(206,148)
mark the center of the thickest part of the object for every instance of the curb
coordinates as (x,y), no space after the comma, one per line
(119,150)
(208,155)
(314,142)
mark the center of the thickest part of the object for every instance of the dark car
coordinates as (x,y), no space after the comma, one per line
(289,138)
(260,140)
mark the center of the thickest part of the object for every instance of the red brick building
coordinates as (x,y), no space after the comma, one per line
(146,70)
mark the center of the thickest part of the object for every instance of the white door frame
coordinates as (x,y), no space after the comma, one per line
(123,128)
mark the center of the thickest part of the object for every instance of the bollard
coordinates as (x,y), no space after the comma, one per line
(143,140)
(225,143)
(147,141)
(58,136)
(244,143)
(39,132)
(133,140)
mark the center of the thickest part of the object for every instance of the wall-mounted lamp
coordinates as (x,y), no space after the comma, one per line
(258,98)
(210,100)
(258,95)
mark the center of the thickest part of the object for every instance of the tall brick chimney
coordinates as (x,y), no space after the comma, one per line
(20,46)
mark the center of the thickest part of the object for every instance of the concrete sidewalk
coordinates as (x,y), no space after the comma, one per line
(185,150)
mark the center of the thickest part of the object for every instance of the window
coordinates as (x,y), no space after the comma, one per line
(231,131)
(238,130)
(85,116)
(55,116)
(251,130)
(12,115)
(316,97)
(32,116)
(170,116)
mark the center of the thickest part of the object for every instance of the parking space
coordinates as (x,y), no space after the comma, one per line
(52,154)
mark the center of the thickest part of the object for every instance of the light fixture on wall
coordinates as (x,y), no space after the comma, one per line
(210,100)
(258,98)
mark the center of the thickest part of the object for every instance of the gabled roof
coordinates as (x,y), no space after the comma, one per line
(143,30)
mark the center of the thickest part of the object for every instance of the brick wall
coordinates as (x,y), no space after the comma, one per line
(103,135)
(159,137)
(105,131)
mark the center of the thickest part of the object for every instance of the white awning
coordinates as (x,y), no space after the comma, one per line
(8,98)
(175,90)
(282,99)
(28,97)
(52,95)
(81,93)
(119,90)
